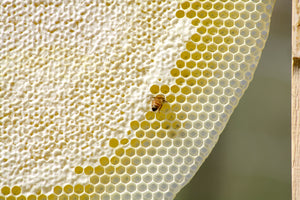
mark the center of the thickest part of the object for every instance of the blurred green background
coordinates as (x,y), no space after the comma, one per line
(252,159)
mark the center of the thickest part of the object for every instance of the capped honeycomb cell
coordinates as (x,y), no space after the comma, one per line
(78,80)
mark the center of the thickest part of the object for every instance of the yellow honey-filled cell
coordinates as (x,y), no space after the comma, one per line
(104,161)
(171,134)
(94,179)
(223,48)
(5,190)
(130,152)
(239,6)
(3,197)
(63,197)
(113,142)
(207,56)
(125,178)
(207,73)
(151,151)
(207,39)
(176,107)
(196,22)
(180,98)
(50,197)
(228,40)
(160,116)
(164,89)
(196,5)
(218,6)
(171,116)
(218,39)
(16,190)
(161,133)
(186,90)
(217,56)
(74,197)
(10,198)
(78,188)
(180,81)
(155,125)
(180,14)
(229,6)
(176,125)
(201,30)
(140,133)
(109,169)
(191,64)
(166,125)
(185,55)
(218,22)
(145,125)
(99,170)
(89,188)
(114,160)
(84,197)
(134,142)
(190,46)
(185,5)
(78,170)
(213,14)
(145,142)
(22,197)
(196,38)
(99,189)
(175,88)
(31,197)
(180,63)
(195,73)
(185,73)
(119,152)
(202,82)
(134,125)
(42,197)
(150,115)
(201,65)
(154,89)
(207,5)
(202,14)
(68,189)
(207,22)
(197,90)
(181,116)
(125,161)
(150,134)
(131,170)
(141,152)
(212,47)
(156,142)
(201,47)
(234,14)
(120,170)
(170,98)
(196,55)
(191,14)
(57,190)
(229,23)
(175,72)
(212,64)
(88,170)
(124,141)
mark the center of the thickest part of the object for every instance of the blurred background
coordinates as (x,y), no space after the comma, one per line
(252,159)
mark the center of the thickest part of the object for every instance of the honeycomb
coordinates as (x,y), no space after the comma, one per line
(76,83)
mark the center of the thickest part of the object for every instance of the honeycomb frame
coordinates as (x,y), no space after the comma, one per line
(160,151)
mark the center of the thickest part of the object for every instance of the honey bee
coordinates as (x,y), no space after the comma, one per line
(157,102)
